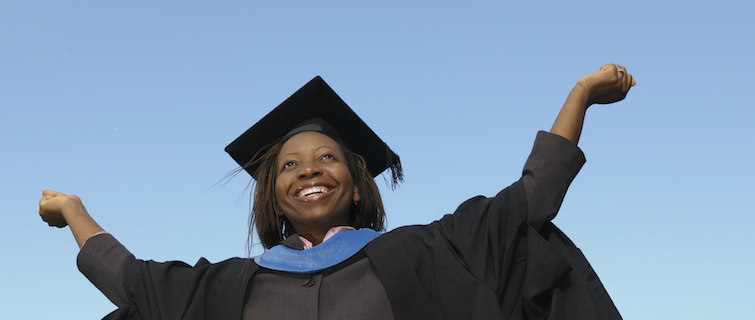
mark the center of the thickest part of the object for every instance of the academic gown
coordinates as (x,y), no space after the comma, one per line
(485,261)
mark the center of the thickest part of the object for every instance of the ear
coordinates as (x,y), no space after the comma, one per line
(357,198)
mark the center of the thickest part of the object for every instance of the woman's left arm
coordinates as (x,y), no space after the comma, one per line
(554,162)
(609,85)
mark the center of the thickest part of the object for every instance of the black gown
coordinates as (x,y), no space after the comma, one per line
(488,260)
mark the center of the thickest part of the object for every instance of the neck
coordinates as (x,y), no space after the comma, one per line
(314,238)
(331,232)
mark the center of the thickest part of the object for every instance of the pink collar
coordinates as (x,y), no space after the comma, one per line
(330,233)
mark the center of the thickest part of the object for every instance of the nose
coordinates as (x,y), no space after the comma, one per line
(309,170)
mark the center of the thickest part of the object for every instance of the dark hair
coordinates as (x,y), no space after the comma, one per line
(272,228)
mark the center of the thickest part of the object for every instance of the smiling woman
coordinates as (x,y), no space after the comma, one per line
(304,137)
(314,189)
(318,212)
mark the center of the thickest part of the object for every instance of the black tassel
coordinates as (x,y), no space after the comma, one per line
(394,164)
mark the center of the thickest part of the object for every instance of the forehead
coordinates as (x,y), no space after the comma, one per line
(308,141)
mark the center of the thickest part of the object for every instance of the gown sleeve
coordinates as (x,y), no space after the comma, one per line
(551,167)
(164,290)
(102,260)
(497,240)
(499,257)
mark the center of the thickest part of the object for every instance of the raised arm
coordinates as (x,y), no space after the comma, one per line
(102,261)
(554,162)
(59,210)
(608,85)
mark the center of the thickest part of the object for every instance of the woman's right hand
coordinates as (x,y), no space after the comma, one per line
(53,205)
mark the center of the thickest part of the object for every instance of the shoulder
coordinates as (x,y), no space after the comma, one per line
(510,200)
(175,287)
(178,271)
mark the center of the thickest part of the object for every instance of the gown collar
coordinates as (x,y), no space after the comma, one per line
(338,248)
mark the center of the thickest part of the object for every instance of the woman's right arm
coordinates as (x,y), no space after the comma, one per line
(59,210)
(103,259)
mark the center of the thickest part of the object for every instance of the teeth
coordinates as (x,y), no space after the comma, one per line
(312,190)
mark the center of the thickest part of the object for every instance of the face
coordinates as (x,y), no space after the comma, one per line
(314,188)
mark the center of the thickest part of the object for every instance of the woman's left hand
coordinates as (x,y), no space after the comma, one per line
(609,85)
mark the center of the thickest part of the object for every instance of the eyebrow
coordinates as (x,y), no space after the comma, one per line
(296,153)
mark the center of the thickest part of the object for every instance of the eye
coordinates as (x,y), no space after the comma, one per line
(288,164)
(327,156)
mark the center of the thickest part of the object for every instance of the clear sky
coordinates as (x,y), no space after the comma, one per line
(130,104)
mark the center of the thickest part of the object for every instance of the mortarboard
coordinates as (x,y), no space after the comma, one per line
(316,107)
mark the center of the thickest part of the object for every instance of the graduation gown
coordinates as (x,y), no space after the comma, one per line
(485,261)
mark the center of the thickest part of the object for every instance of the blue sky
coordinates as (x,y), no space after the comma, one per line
(129,106)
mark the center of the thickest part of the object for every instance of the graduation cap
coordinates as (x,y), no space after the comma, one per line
(316,107)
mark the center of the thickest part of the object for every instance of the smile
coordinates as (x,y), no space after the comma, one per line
(312,193)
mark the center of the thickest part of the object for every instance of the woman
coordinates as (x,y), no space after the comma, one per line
(318,212)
